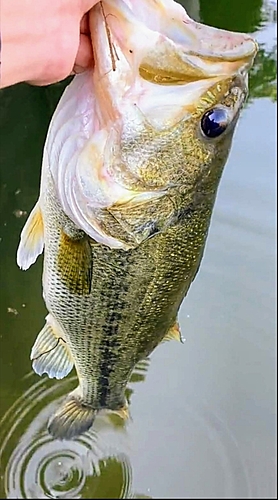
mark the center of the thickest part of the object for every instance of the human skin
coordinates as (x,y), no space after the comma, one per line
(43,41)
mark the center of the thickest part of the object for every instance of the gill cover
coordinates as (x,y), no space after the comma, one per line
(152,64)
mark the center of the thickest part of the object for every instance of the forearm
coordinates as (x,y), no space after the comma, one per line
(34,47)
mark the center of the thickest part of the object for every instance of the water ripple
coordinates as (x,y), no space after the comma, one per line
(35,465)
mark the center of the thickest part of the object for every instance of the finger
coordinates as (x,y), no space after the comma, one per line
(84,58)
(84,25)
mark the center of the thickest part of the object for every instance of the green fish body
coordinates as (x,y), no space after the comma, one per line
(131,167)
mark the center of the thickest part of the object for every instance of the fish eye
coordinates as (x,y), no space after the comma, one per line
(214,122)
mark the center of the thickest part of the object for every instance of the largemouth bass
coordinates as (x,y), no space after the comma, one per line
(132,161)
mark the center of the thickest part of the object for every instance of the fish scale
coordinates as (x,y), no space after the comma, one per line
(134,300)
(131,167)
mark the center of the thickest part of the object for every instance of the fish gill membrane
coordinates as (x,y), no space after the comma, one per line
(131,166)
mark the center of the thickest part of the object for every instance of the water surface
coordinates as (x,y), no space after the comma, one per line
(203,413)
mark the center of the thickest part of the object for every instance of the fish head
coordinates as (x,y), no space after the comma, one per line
(167,95)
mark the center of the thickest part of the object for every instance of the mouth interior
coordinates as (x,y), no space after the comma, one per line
(164,77)
(178,71)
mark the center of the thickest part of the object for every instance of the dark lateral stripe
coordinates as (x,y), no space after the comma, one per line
(110,344)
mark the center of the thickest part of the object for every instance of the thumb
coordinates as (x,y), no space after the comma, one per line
(86,5)
(84,57)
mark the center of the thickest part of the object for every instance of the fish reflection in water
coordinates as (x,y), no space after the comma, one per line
(34,465)
(98,463)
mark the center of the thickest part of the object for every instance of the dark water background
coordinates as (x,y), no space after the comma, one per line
(203,413)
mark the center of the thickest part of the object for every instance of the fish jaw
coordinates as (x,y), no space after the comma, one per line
(153,66)
(158,42)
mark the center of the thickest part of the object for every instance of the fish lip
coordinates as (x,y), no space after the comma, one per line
(213,43)
(232,62)
(243,53)
(177,48)
(211,50)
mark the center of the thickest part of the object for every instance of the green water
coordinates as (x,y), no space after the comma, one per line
(203,413)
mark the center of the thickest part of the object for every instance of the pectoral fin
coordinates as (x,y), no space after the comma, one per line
(75,263)
(31,240)
(50,353)
(174,333)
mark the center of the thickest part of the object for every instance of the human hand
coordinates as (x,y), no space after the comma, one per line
(42,41)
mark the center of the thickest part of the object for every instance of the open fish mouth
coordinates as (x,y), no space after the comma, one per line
(131,167)
(161,42)
(154,66)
